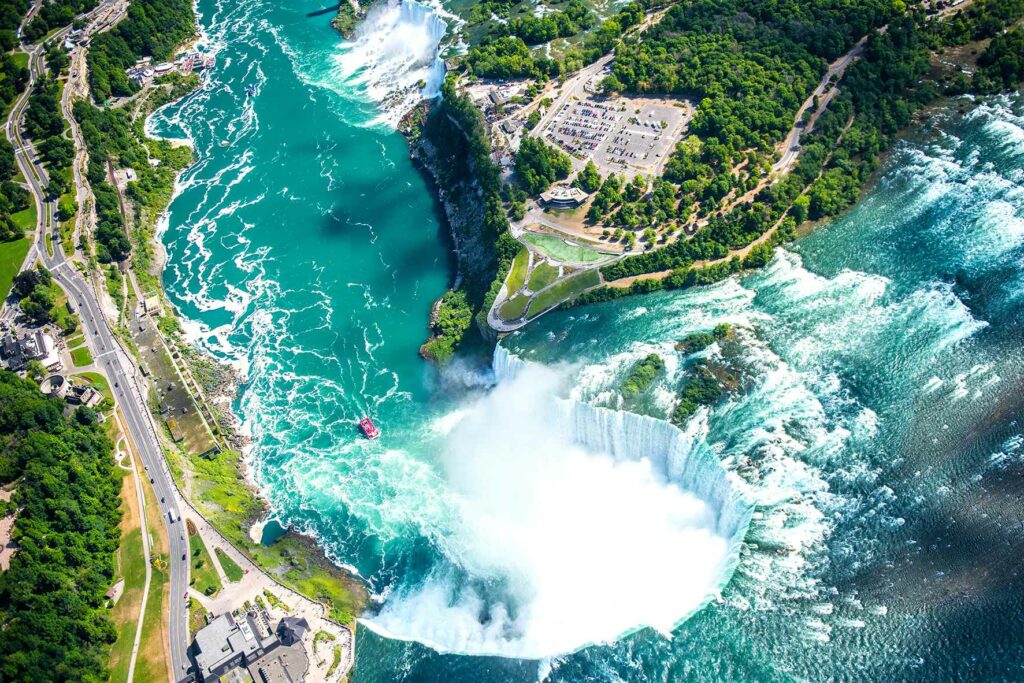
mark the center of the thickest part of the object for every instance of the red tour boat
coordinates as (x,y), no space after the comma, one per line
(368,429)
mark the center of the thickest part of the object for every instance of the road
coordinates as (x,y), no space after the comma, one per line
(791,145)
(109,355)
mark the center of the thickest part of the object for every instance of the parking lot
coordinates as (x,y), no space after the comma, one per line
(622,136)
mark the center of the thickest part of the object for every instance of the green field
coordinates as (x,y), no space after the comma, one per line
(98,382)
(517,274)
(563,290)
(81,356)
(204,574)
(557,249)
(26,220)
(230,567)
(12,254)
(131,566)
(542,276)
(513,308)
(153,663)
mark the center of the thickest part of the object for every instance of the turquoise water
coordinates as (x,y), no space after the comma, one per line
(850,512)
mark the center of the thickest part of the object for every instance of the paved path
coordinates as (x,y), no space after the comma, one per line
(110,357)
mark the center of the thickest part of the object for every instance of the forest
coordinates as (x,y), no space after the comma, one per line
(502,54)
(52,604)
(153,28)
(463,166)
(11,14)
(52,15)
(534,30)
(1001,65)
(538,165)
(111,135)
(45,126)
(879,95)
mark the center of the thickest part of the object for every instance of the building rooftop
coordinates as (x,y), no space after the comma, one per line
(562,195)
(32,346)
(231,649)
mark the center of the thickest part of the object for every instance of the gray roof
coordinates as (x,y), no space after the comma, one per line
(291,629)
(226,643)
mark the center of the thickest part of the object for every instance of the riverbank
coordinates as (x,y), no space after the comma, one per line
(219,483)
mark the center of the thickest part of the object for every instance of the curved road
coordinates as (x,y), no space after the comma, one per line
(108,353)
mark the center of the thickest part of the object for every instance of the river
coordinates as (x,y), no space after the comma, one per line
(851,510)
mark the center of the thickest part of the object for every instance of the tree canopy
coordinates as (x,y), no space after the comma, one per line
(538,165)
(52,605)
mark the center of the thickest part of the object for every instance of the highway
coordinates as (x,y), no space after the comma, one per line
(107,351)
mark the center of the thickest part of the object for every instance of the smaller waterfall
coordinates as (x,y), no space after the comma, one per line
(394,59)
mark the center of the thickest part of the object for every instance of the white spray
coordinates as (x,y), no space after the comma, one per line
(394,59)
(573,525)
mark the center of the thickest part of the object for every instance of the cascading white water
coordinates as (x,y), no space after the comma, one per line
(394,59)
(571,525)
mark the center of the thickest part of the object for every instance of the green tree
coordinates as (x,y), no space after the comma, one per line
(35,370)
(538,165)
(588,180)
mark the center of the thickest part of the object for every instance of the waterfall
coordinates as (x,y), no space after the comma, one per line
(394,59)
(679,456)
(571,525)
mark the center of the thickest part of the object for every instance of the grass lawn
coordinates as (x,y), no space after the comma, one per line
(230,567)
(514,308)
(196,616)
(204,574)
(153,663)
(542,276)
(98,382)
(75,340)
(556,248)
(11,256)
(62,315)
(131,566)
(81,356)
(220,493)
(517,274)
(26,220)
(21,59)
(563,290)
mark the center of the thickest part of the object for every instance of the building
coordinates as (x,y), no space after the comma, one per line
(123,176)
(87,396)
(151,306)
(563,197)
(244,649)
(227,644)
(32,346)
(140,74)
(75,394)
(55,385)
(291,630)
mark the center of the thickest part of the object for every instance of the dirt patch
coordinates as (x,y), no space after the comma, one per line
(7,546)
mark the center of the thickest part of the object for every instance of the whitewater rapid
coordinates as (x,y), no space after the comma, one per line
(884,339)
(572,525)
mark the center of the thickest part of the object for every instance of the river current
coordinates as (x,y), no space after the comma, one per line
(850,511)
